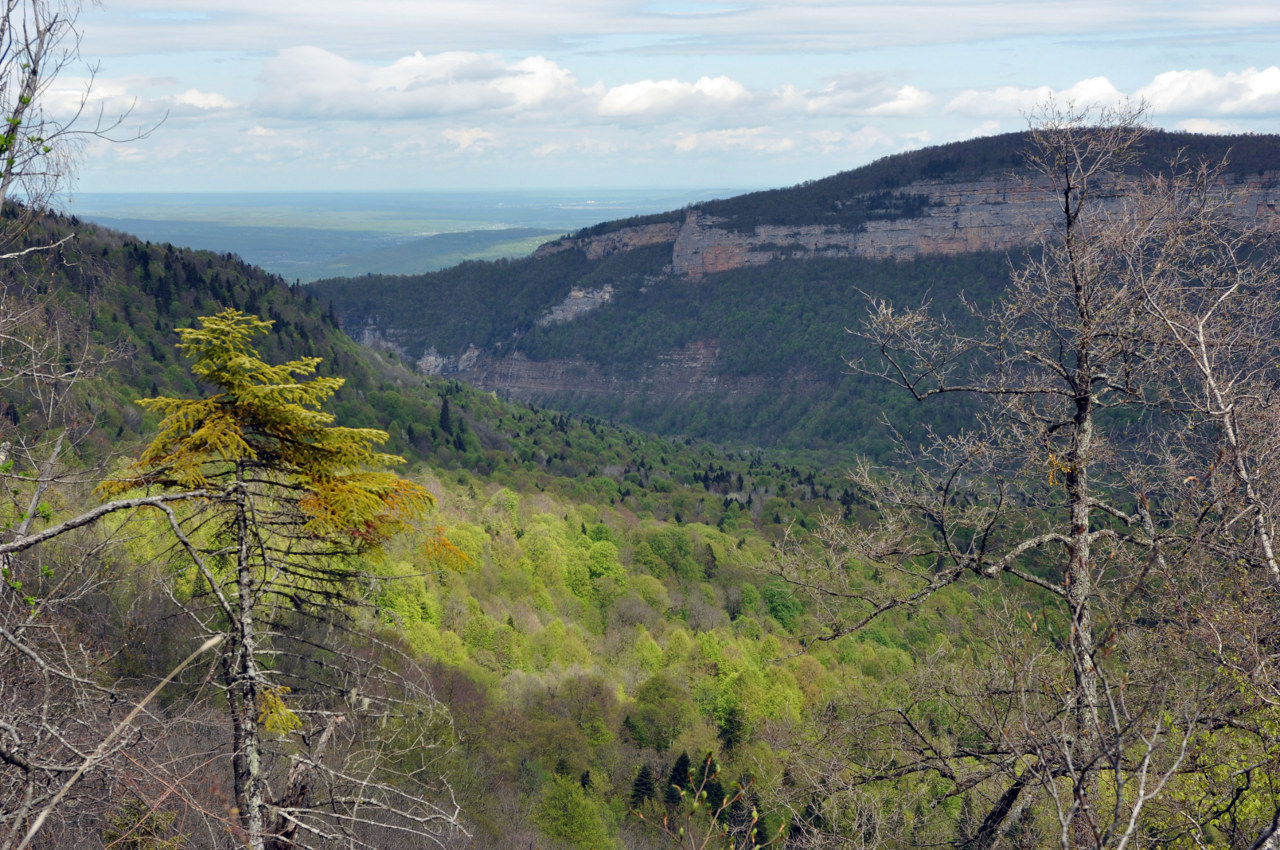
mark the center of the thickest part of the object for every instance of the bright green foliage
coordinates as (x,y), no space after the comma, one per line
(663,710)
(552,561)
(276,717)
(783,605)
(567,813)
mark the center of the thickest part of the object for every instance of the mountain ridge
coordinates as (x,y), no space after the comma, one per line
(599,322)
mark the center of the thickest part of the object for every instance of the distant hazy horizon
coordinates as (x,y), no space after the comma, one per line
(290,231)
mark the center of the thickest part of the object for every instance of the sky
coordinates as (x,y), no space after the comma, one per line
(352,95)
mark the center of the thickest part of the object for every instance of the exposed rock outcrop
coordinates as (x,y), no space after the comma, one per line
(432,362)
(680,374)
(578,302)
(529,330)
(957,217)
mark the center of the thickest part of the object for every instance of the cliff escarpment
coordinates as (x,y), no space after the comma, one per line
(728,319)
(940,218)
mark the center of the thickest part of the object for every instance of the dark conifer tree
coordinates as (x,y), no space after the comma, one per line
(446,419)
(731,729)
(681,778)
(643,787)
(708,781)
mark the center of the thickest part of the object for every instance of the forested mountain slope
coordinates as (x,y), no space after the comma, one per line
(727,319)
(130,297)
(588,602)
(597,608)
(228,619)
(591,604)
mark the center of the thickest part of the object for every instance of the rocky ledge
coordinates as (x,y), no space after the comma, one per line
(991,215)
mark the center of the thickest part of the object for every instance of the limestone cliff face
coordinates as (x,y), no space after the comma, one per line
(957,217)
(681,374)
(580,301)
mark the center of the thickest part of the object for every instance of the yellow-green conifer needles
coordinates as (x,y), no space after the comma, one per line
(299,497)
(266,420)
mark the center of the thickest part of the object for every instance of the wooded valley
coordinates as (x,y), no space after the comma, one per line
(1013,584)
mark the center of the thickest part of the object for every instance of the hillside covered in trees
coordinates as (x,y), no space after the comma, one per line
(548,635)
(565,599)
(730,320)
(263,587)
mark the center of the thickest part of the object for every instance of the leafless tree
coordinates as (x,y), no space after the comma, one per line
(57,706)
(60,717)
(39,142)
(1116,388)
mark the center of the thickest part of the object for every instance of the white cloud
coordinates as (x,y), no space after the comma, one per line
(1207,125)
(1248,92)
(578,146)
(70,95)
(1095,91)
(1004,100)
(203,100)
(755,139)
(144,100)
(1013,100)
(308,82)
(829,139)
(858,94)
(908,100)
(852,94)
(986,128)
(662,96)
(471,137)
(497,91)
(378,27)
(868,138)
(537,81)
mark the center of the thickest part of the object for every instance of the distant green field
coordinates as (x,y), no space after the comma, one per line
(312,235)
(431,253)
(286,217)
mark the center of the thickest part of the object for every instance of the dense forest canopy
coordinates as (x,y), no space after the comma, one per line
(1046,617)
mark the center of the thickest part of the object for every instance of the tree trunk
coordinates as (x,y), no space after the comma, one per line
(250,792)
(1079,586)
(1078,578)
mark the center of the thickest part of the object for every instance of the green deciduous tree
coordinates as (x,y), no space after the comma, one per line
(568,813)
(662,711)
(277,554)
